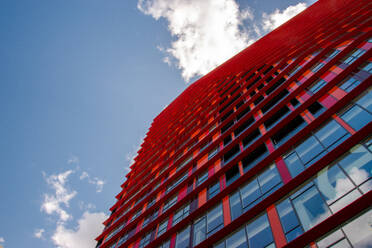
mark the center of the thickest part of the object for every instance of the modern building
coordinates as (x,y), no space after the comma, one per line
(270,149)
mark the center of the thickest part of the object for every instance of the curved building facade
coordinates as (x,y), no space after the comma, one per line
(271,149)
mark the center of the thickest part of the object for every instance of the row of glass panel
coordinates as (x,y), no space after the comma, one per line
(333,188)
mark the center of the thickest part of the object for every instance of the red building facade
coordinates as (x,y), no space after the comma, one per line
(270,149)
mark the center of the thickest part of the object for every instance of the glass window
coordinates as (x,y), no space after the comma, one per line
(200,230)
(333,183)
(259,233)
(310,208)
(366,101)
(232,174)
(251,137)
(202,177)
(358,164)
(280,114)
(214,219)
(183,238)
(367,67)
(290,129)
(213,152)
(177,182)
(169,203)
(254,191)
(288,218)
(146,221)
(294,164)
(166,244)
(356,117)
(317,67)
(231,153)
(309,149)
(237,240)
(330,133)
(220,245)
(349,84)
(359,231)
(332,53)
(250,193)
(316,109)
(181,214)
(254,157)
(162,227)
(145,240)
(354,55)
(269,179)
(330,240)
(235,205)
(213,190)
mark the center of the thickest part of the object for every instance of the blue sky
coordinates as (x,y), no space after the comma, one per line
(81,81)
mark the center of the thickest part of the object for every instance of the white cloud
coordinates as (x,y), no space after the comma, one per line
(89,226)
(39,233)
(53,203)
(84,175)
(2,240)
(277,18)
(95,181)
(206,33)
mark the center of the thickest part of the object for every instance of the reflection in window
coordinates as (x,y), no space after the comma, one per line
(183,237)
(199,231)
(162,227)
(259,233)
(254,191)
(354,55)
(358,233)
(208,224)
(291,226)
(202,177)
(313,148)
(365,101)
(214,219)
(356,117)
(213,190)
(145,240)
(359,230)
(235,240)
(333,188)
(181,214)
(310,207)
(358,164)
(166,244)
(349,84)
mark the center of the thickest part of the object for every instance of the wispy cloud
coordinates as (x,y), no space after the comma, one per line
(2,240)
(73,160)
(89,226)
(39,233)
(56,202)
(86,206)
(207,33)
(99,183)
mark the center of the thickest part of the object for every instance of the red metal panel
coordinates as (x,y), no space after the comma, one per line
(276,226)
